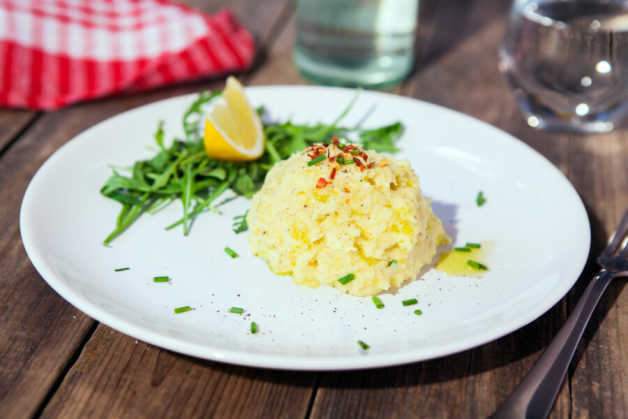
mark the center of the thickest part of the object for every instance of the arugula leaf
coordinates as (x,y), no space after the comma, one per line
(218,173)
(194,114)
(244,185)
(159,135)
(382,139)
(186,197)
(159,162)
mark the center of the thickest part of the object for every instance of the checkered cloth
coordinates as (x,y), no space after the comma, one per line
(56,52)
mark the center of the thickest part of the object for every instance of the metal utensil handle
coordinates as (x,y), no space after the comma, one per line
(536,394)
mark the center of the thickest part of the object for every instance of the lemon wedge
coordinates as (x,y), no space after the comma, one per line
(233,129)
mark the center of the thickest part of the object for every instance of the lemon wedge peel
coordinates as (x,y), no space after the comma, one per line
(233,129)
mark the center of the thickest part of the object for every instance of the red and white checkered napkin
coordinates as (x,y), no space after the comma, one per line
(56,52)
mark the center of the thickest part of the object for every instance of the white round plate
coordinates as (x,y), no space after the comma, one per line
(533,216)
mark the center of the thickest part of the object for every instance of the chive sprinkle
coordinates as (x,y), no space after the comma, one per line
(473,245)
(253,327)
(236,310)
(121,269)
(462,249)
(418,312)
(317,159)
(341,160)
(363,345)
(183,309)
(378,303)
(410,302)
(392,262)
(346,279)
(480,199)
(161,279)
(230,252)
(477,265)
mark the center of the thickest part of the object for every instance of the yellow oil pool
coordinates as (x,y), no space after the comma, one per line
(456,262)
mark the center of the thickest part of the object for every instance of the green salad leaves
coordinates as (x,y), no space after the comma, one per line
(182,171)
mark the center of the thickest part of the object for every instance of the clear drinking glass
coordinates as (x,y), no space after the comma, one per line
(567,62)
(367,43)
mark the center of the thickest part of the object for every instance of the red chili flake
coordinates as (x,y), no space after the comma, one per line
(363,155)
(370,165)
(321,183)
(332,159)
(333,173)
(358,162)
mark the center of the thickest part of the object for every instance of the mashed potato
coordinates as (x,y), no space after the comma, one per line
(326,220)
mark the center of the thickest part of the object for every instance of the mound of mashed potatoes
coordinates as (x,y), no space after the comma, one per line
(335,210)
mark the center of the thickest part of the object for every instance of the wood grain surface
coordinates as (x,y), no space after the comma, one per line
(57,362)
(12,122)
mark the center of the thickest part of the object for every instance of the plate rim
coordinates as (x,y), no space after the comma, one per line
(278,361)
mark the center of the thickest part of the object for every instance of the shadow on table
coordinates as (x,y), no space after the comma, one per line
(599,240)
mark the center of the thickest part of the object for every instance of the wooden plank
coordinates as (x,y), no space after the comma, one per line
(473,383)
(117,376)
(12,121)
(599,374)
(41,332)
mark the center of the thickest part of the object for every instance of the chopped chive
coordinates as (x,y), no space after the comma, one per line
(477,265)
(230,252)
(121,269)
(239,223)
(341,160)
(480,199)
(355,152)
(392,262)
(462,249)
(418,312)
(410,302)
(183,309)
(473,245)
(236,310)
(317,159)
(253,327)
(346,279)
(378,303)
(363,345)
(161,279)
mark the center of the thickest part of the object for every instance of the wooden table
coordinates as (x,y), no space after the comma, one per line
(58,362)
